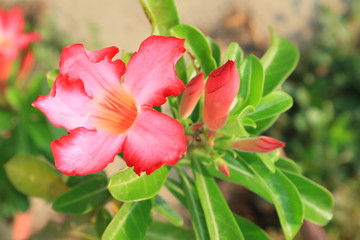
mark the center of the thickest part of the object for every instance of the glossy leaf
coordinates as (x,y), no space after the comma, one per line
(251,230)
(279,61)
(235,53)
(194,206)
(283,193)
(287,164)
(161,14)
(130,222)
(241,174)
(127,186)
(216,51)
(252,81)
(34,177)
(197,45)
(262,125)
(163,208)
(219,219)
(271,105)
(103,218)
(164,231)
(176,189)
(318,202)
(83,198)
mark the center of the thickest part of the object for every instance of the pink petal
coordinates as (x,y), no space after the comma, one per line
(258,144)
(24,40)
(191,95)
(67,104)
(154,139)
(27,62)
(94,68)
(220,91)
(85,151)
(151,74)
(12,22)
(5,70)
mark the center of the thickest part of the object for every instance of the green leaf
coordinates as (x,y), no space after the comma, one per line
(103,218)
(235,53)
(34,177)
(83,198)
(161,14)
(127,186)
(262,125)
(251,230)
(271,105)
(287,164)
(219,219)
(197,45)
(194,206)
(164,231)
(283,193)
(279,61)
(252,81)
(241,174)
(216,51)
(176,189)
(11,201)
(130,222)
(51,76)
(163,208)
(318,202)
(6,119)
(269,159)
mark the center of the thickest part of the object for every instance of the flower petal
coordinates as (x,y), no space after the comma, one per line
(154,139)
(220,91)
(85,151)
(67,104)
(191,95)
(151,74)
(94,68)
(12,22)
(258,144)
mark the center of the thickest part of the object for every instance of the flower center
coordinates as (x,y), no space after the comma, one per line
(115,112)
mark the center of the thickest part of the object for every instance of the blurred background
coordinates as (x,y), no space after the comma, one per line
(321,129)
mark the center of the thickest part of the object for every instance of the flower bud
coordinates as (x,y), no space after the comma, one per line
(191,95)
(220,91)
(222,166)
(258,144)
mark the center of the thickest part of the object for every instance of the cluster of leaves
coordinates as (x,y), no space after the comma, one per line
(132,198)
(322,130)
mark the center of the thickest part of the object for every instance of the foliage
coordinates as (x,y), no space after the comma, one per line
(259,103)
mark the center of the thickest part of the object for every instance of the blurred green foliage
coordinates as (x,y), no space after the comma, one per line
(322,129)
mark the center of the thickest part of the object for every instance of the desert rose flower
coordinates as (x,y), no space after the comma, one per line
(258,144)
(191,95)
(107,109)
(13,40)
(221,89)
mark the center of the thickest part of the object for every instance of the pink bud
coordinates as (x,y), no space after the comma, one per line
(191,95)
(26,64)
(220,91)
(223,168)
(258,144)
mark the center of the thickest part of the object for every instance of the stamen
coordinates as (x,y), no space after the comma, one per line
(116,112)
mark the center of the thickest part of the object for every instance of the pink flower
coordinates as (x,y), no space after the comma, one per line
(13,40)
(191,95)
(258,144)
(221,89)
(108,110)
